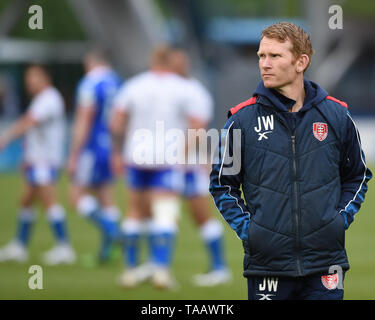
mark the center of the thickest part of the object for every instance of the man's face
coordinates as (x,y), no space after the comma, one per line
(180,63)
(277,63)
(35,80)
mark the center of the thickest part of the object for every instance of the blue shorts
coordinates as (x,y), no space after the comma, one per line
(196,182)
(40,175)
(93,169)
(168,179)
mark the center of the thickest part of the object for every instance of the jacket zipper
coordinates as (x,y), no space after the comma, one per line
(295,191)
(296,204)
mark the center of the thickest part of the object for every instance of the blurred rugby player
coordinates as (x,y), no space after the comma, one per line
(89,158)
(197,179)
(157,98)
(43,128)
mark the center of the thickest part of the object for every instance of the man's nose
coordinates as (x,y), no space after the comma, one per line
(266,63)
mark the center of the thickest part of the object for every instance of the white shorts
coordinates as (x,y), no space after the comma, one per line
(40,174)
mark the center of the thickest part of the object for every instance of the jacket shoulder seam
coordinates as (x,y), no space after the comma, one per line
(342,103)
(242,105)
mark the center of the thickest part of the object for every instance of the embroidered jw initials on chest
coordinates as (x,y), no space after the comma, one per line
(265,126)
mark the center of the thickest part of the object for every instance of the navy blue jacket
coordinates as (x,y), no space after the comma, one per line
(289,184)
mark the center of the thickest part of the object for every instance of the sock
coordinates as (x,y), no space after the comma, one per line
(108,223)
(163,229)
(109,220)
(163,248)
(105,220)
(131,229)
(147,234)
(212,234)
(26,218)
(162,243)
(56,217)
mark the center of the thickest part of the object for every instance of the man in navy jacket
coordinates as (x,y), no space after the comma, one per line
(295,154)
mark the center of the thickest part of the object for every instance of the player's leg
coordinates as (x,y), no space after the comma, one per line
(147,226)
(103,186)
(26,216)
(110,216)
(211,230)
(89,207)
(55,212)
(132,229)
(16,250)
(146,269)
(93,175)
(79,189)
(85,203)
(132,226)
(62,252)
(165,209)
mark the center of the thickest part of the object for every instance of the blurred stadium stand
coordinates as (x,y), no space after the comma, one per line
(221,36)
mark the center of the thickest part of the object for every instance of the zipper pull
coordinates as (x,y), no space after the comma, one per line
(294,144)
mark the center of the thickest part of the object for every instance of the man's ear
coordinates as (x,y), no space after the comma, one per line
(302,63)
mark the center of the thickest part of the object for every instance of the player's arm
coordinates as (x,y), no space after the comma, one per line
(80,133)
(199,112)
(354,174)
(117,127)
(196,124)
(85,112)
(226,180)
(81,128)
(17,129)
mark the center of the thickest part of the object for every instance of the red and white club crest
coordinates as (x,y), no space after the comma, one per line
(320,130)
(330,281)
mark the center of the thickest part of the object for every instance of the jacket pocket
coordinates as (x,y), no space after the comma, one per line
(336,228)
(268,248)
(327,243)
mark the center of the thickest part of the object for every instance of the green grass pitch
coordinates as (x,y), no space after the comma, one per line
(85,280)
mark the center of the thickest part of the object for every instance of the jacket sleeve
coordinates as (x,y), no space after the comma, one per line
(226,180)
(354,174)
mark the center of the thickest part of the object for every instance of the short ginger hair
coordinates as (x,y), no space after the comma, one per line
(283,31)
